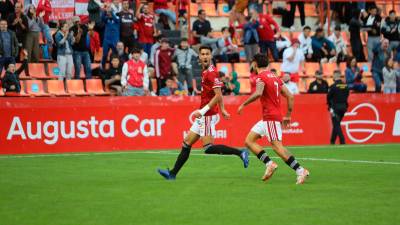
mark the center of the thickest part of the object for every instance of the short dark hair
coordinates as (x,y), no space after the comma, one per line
(307,28)
(205,47)
(224,29)
(319,29)
(261,60)
(184,39)
(392,11)
(338,28)
(114,56)
(136,50)
(200,11)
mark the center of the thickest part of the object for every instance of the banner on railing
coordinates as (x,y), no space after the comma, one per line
(54,125)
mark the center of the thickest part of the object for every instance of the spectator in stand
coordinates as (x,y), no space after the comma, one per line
(391,30)
(94,40)
(64,40)
(300,5)
(18,23)
(173,87)
(32,37)
(135,77)
(293,61)
(111,32)
(183,56)
(341,46)
(397,68)
(146,27)
(116,6)
(266,33)
(319,85)
(389,77)
(161,7)
(282,43)
(202,30)
(8,46)
(306,42)
(290,85)
(154,48)
(44,6)
(250,37)
(127,22)
(323,49)
(234,83)
(94,9)
(163,64)
(372,23)
(10,81)
(227,51)
(380,54)
(354,76)
(112,77)
(6,7)
(123,57)
(355,38)
(81,49)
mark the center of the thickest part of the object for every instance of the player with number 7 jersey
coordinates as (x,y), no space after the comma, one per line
(269,89)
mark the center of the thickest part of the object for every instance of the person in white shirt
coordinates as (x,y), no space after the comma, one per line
(291,86)
(340,44)
(306,42)
(293,61)
(282,43)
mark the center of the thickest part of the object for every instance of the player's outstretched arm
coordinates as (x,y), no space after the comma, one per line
(290,101)
(256,95)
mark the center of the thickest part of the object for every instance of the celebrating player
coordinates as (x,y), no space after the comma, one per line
(206,118)
(269,88)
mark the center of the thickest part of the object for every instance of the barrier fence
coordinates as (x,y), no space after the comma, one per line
(57,125)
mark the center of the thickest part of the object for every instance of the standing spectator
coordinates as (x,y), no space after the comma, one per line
(8,45)
(135,77)
(380,54)
(111,33)
(201,30)
(123,57)
(81,49)
(282,43)
(18,23)
(127,21)
(290,85)
(266,33)
(293,61)
(94,40)
(44,6)
(64,40)
(323,49)
(10,81)
(161,7)
(227,51)
(32,37)
(154,48)
(306,42)
(354,76)
(337,103)
(6,7)
(341,46)
(355,38)
(250,38)
(390,30)
(94,9)
(300,5)
(184,55)
(319,85)
(112,77)
(146,28)
(389,77)
(372,23)
(163,63)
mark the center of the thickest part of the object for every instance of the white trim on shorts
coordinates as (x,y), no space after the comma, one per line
(205,125)
(271,129)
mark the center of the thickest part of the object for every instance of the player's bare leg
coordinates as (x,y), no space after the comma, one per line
(210,148)
(183,156)
(289,159)
(251,143)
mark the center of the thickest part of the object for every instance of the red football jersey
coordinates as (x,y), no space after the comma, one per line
(146,28)
(271,97)
(210,80)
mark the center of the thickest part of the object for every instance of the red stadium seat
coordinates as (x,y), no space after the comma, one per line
(209,8)
(194,8)
(226,68)
(223,10)
(37,70)
(76,87)
(310,68)
(245,86)
(35,88)
(95,87)
(53,68)
(366,67)
(56,88)
(242,69)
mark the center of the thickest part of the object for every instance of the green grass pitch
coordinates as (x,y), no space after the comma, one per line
(348,185)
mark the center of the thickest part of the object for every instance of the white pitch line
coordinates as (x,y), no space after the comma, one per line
(193,154)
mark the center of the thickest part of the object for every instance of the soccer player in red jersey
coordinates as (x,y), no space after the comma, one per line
(269,89)
(206,117)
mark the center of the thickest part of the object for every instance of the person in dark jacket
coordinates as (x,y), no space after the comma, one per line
(8,45)
(111,32)
(319,85)
(18,22)
(323,48)
(6,7)
(372,23)
(390,30)
(10,81)
(337,102)
(81,47)
(112,76)
(355,38)
(353,76)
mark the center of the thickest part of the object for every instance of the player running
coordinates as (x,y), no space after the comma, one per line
(206,117)
(269,88)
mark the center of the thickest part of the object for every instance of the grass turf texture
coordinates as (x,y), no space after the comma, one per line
(124,188)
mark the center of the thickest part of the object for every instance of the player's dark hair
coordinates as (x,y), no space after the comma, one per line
(261,60)
(338,28)
(307,28)
(205,47)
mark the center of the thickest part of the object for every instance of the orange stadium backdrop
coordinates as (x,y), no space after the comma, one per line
(55,125)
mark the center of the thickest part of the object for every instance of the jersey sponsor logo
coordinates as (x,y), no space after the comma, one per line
(362,123)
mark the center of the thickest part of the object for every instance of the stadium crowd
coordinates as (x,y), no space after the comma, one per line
(137,42)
